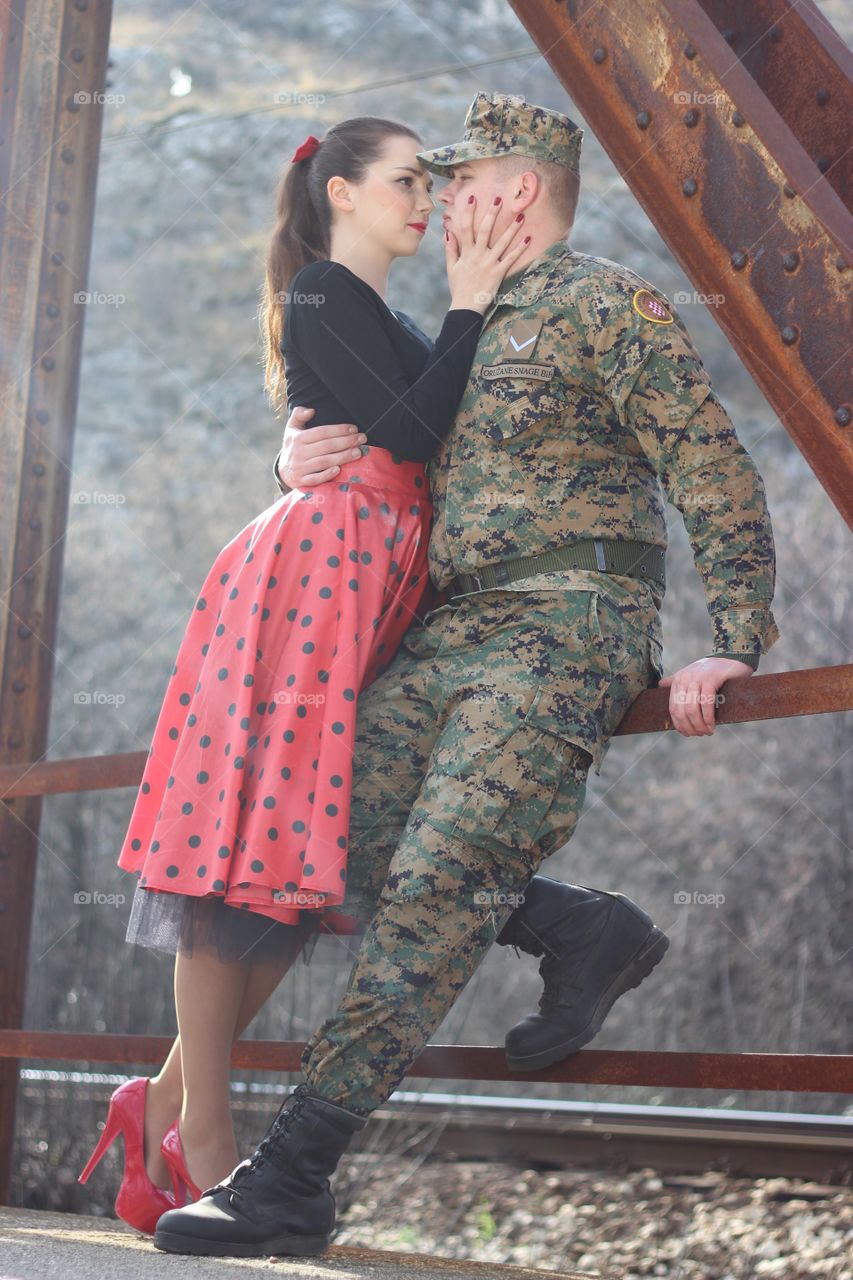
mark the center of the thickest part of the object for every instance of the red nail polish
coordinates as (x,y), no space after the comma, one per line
(470,199)
(527,239)
(520,218)
(497,199)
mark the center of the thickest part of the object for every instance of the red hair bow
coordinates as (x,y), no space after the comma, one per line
(309,146)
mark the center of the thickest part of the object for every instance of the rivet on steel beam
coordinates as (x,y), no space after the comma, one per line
(790,261)
(643,119)
(737,119)
(38,467)
(56,259)
(62,206)
(690,187)
(775,34)
(739,260)
(71,105)
(689,52)
(24,631)
(48,363)
(599,54)
(840,264)
(67,155)
(691,118)
(730,36)
(844,415)
(77,55)
(43,417)
(789,334)
(34,523)
(82,5)
(789,191)
(822,96)
(18,686)
(29,577)
(822,163)
(52,310)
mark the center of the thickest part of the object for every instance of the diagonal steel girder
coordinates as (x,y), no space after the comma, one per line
(729,183)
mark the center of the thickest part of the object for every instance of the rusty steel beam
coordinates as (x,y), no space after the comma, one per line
(730,187)
(773,1072)
(804,68)
(51,53)
(770,697)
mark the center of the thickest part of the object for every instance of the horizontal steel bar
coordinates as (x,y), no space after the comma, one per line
(771,697)
(773,1072)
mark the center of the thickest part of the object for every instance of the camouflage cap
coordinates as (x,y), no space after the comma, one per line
(499,124)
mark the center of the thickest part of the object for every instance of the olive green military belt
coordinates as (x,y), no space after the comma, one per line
(623,556)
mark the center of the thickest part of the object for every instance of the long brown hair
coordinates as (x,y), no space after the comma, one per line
(303,224)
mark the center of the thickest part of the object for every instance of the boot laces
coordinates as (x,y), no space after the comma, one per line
(278,1129)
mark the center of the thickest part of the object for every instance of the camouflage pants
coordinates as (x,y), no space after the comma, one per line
(471,761)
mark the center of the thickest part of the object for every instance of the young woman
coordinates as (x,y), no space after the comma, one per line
(239,830)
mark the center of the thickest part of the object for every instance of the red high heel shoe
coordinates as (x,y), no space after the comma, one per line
(139,1202)
(173,1153)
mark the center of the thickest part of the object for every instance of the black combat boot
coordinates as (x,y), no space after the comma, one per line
(277,1201)
(594,946)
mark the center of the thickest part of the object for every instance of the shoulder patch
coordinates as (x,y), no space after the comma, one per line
(651,308)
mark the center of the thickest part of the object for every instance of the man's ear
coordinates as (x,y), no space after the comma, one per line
(527,187)
(337,189)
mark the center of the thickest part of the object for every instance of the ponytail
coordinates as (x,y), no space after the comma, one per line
(303,224)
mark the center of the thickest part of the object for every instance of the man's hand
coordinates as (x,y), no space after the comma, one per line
(693,692)
(312,455)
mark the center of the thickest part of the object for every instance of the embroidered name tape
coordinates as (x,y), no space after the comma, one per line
(514,369)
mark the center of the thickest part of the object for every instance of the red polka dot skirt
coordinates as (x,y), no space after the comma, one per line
(246,790)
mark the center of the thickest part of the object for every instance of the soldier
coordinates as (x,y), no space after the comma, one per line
(586,408)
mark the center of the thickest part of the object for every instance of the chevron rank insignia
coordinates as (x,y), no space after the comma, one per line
(522,340)
(651,308)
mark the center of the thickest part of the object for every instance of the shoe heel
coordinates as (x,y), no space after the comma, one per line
(112,1129)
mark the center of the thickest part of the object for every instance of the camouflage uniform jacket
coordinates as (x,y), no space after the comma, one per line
(585,430)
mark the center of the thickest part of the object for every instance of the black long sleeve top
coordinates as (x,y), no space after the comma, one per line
(351,358)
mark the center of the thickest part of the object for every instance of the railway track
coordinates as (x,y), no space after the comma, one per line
(541,1133)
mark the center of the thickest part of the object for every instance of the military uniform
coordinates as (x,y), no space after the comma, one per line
(586,408)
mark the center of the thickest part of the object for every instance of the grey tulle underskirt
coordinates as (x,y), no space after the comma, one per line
(175,922)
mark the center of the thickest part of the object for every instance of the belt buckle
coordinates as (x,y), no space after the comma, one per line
(599,554)
(477,580)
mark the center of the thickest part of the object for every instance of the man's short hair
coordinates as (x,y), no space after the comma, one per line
(561,184)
